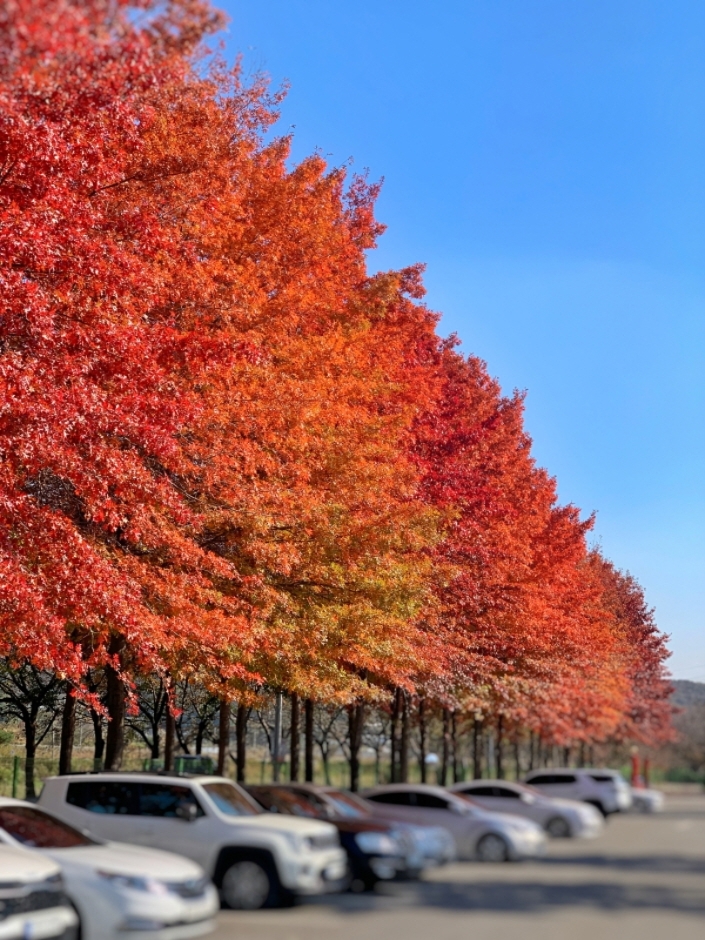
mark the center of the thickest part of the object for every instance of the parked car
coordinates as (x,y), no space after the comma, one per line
(114,887)
(488,837)
(606,790)
(561,819)
(377,851)
(255,859)
(32,900)
(646,800)
(432,845)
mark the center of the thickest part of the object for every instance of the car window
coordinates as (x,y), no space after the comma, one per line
(344,805)
(112,797)
(38,830)
(230,800)
(478,791)
(430,801)
(396,798)
(163,800)
(544,779)
(286,801)
(602,778)
(506,793)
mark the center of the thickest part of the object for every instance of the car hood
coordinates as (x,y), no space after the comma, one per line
(273,822)
(24,865)
(118,858)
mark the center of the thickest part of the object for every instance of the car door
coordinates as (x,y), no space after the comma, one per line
(484,796)
(108,809)
(507,800)
(161,823)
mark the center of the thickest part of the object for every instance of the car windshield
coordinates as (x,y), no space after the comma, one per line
(38,830)
(345,804)
(231,801)
(291,803)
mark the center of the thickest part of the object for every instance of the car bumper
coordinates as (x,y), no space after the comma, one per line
(56,922)
(323,874)
(529,845)
(171,931)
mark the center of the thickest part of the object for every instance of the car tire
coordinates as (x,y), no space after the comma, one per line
(250,885)
(492,848)
(558,828)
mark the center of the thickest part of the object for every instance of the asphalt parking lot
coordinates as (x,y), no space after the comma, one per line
(643,878)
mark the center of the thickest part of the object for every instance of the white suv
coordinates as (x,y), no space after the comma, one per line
(605,789)
(254,858)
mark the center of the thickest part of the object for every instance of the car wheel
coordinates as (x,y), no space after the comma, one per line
(492,848)
(248,886)
(558,828)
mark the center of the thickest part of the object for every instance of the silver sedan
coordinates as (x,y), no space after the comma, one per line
(487,837)
(562,819)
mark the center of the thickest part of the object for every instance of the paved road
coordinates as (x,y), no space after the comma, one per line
(643,878)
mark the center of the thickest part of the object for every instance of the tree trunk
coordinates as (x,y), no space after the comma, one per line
(517,758)
(457,769)
(115,703)
(404,740)
(223,735)
(477,749)
(30,751)
(445,753)
(356,717)
(68,730)
(422,739)
(294,739)
(499,752)
(308,740)
(156,740)
(169,739)
(394,738)
(277,737)
(241,742)
(98,740)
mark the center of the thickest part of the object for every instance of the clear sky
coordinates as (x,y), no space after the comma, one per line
(546,159)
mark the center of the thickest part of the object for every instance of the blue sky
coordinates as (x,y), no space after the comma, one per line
(546,160)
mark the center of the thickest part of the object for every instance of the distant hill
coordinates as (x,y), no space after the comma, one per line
(687,693)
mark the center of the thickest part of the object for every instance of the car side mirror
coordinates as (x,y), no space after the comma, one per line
(186,811)
(528,798)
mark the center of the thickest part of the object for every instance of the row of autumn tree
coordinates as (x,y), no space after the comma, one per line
(233,456)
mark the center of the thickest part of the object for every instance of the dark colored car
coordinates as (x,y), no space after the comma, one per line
(376,850)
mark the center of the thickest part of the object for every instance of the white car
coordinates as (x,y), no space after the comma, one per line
(487,837)
(645,800)
(561,819)
(255,859)
(432,845)
(116,888)
(32,899)
(606,790)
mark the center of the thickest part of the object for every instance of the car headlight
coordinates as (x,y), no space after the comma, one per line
(135,883)
(377,843)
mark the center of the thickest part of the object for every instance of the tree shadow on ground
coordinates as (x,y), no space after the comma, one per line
(519,897)
(667,864)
